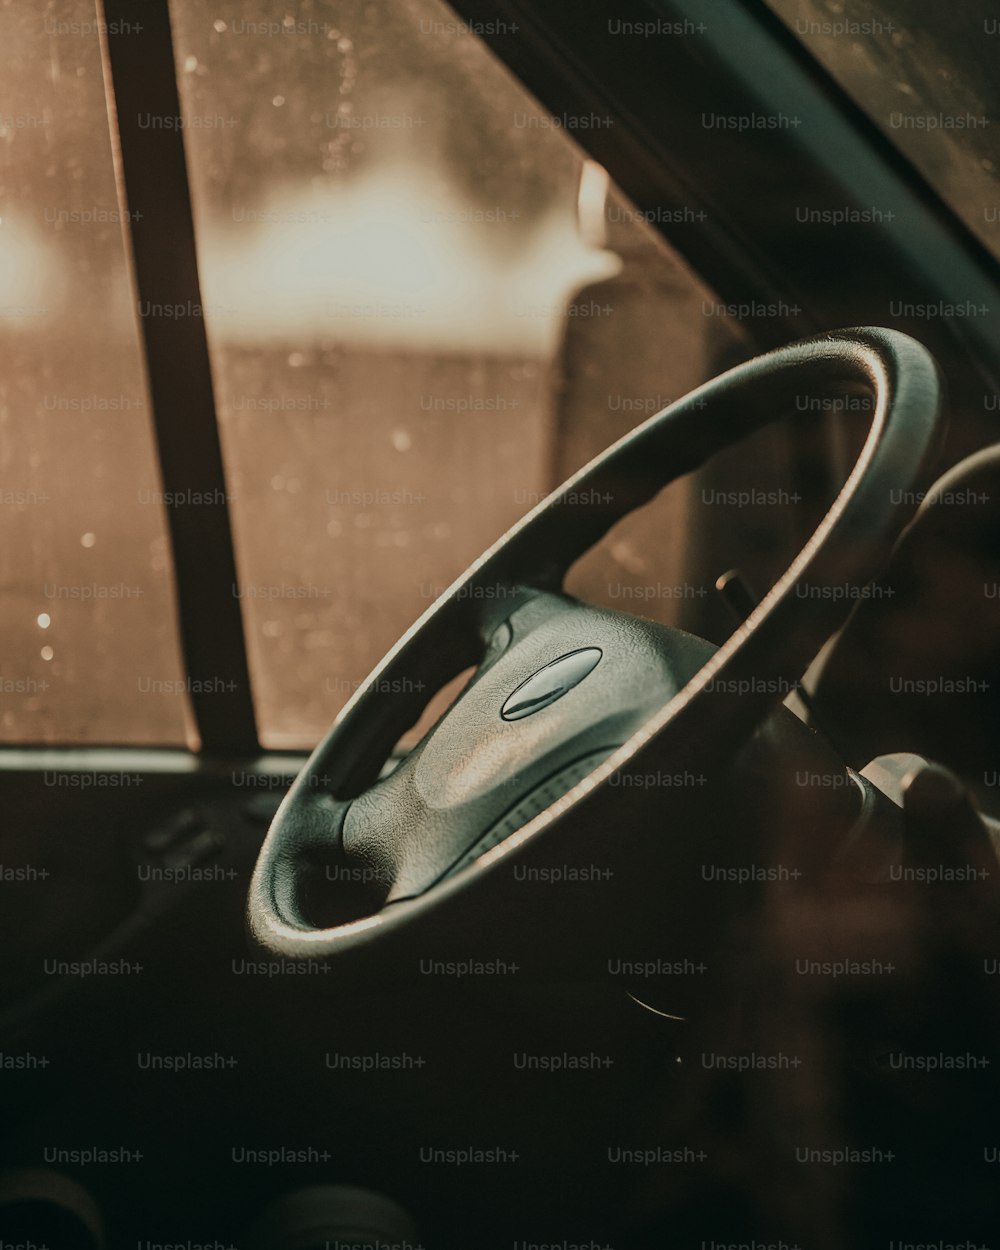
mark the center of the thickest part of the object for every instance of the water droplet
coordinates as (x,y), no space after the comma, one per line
(47,653)
(44,620)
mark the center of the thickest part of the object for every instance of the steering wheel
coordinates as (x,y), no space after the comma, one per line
(545,755)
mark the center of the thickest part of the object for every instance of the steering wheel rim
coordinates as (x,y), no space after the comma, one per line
(708,717)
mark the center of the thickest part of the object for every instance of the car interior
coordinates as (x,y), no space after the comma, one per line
(499,723)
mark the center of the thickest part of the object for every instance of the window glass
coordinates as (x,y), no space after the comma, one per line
(925,73)
(90,642)
(424,309)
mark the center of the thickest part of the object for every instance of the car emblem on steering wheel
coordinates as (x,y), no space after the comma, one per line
(550,683)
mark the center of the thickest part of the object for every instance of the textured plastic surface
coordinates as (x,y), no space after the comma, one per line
(410,829)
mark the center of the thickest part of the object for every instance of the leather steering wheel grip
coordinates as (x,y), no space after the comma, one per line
(699,705)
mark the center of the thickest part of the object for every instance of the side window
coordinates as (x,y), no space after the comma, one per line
(90,643)
(424,307)
(926,76)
